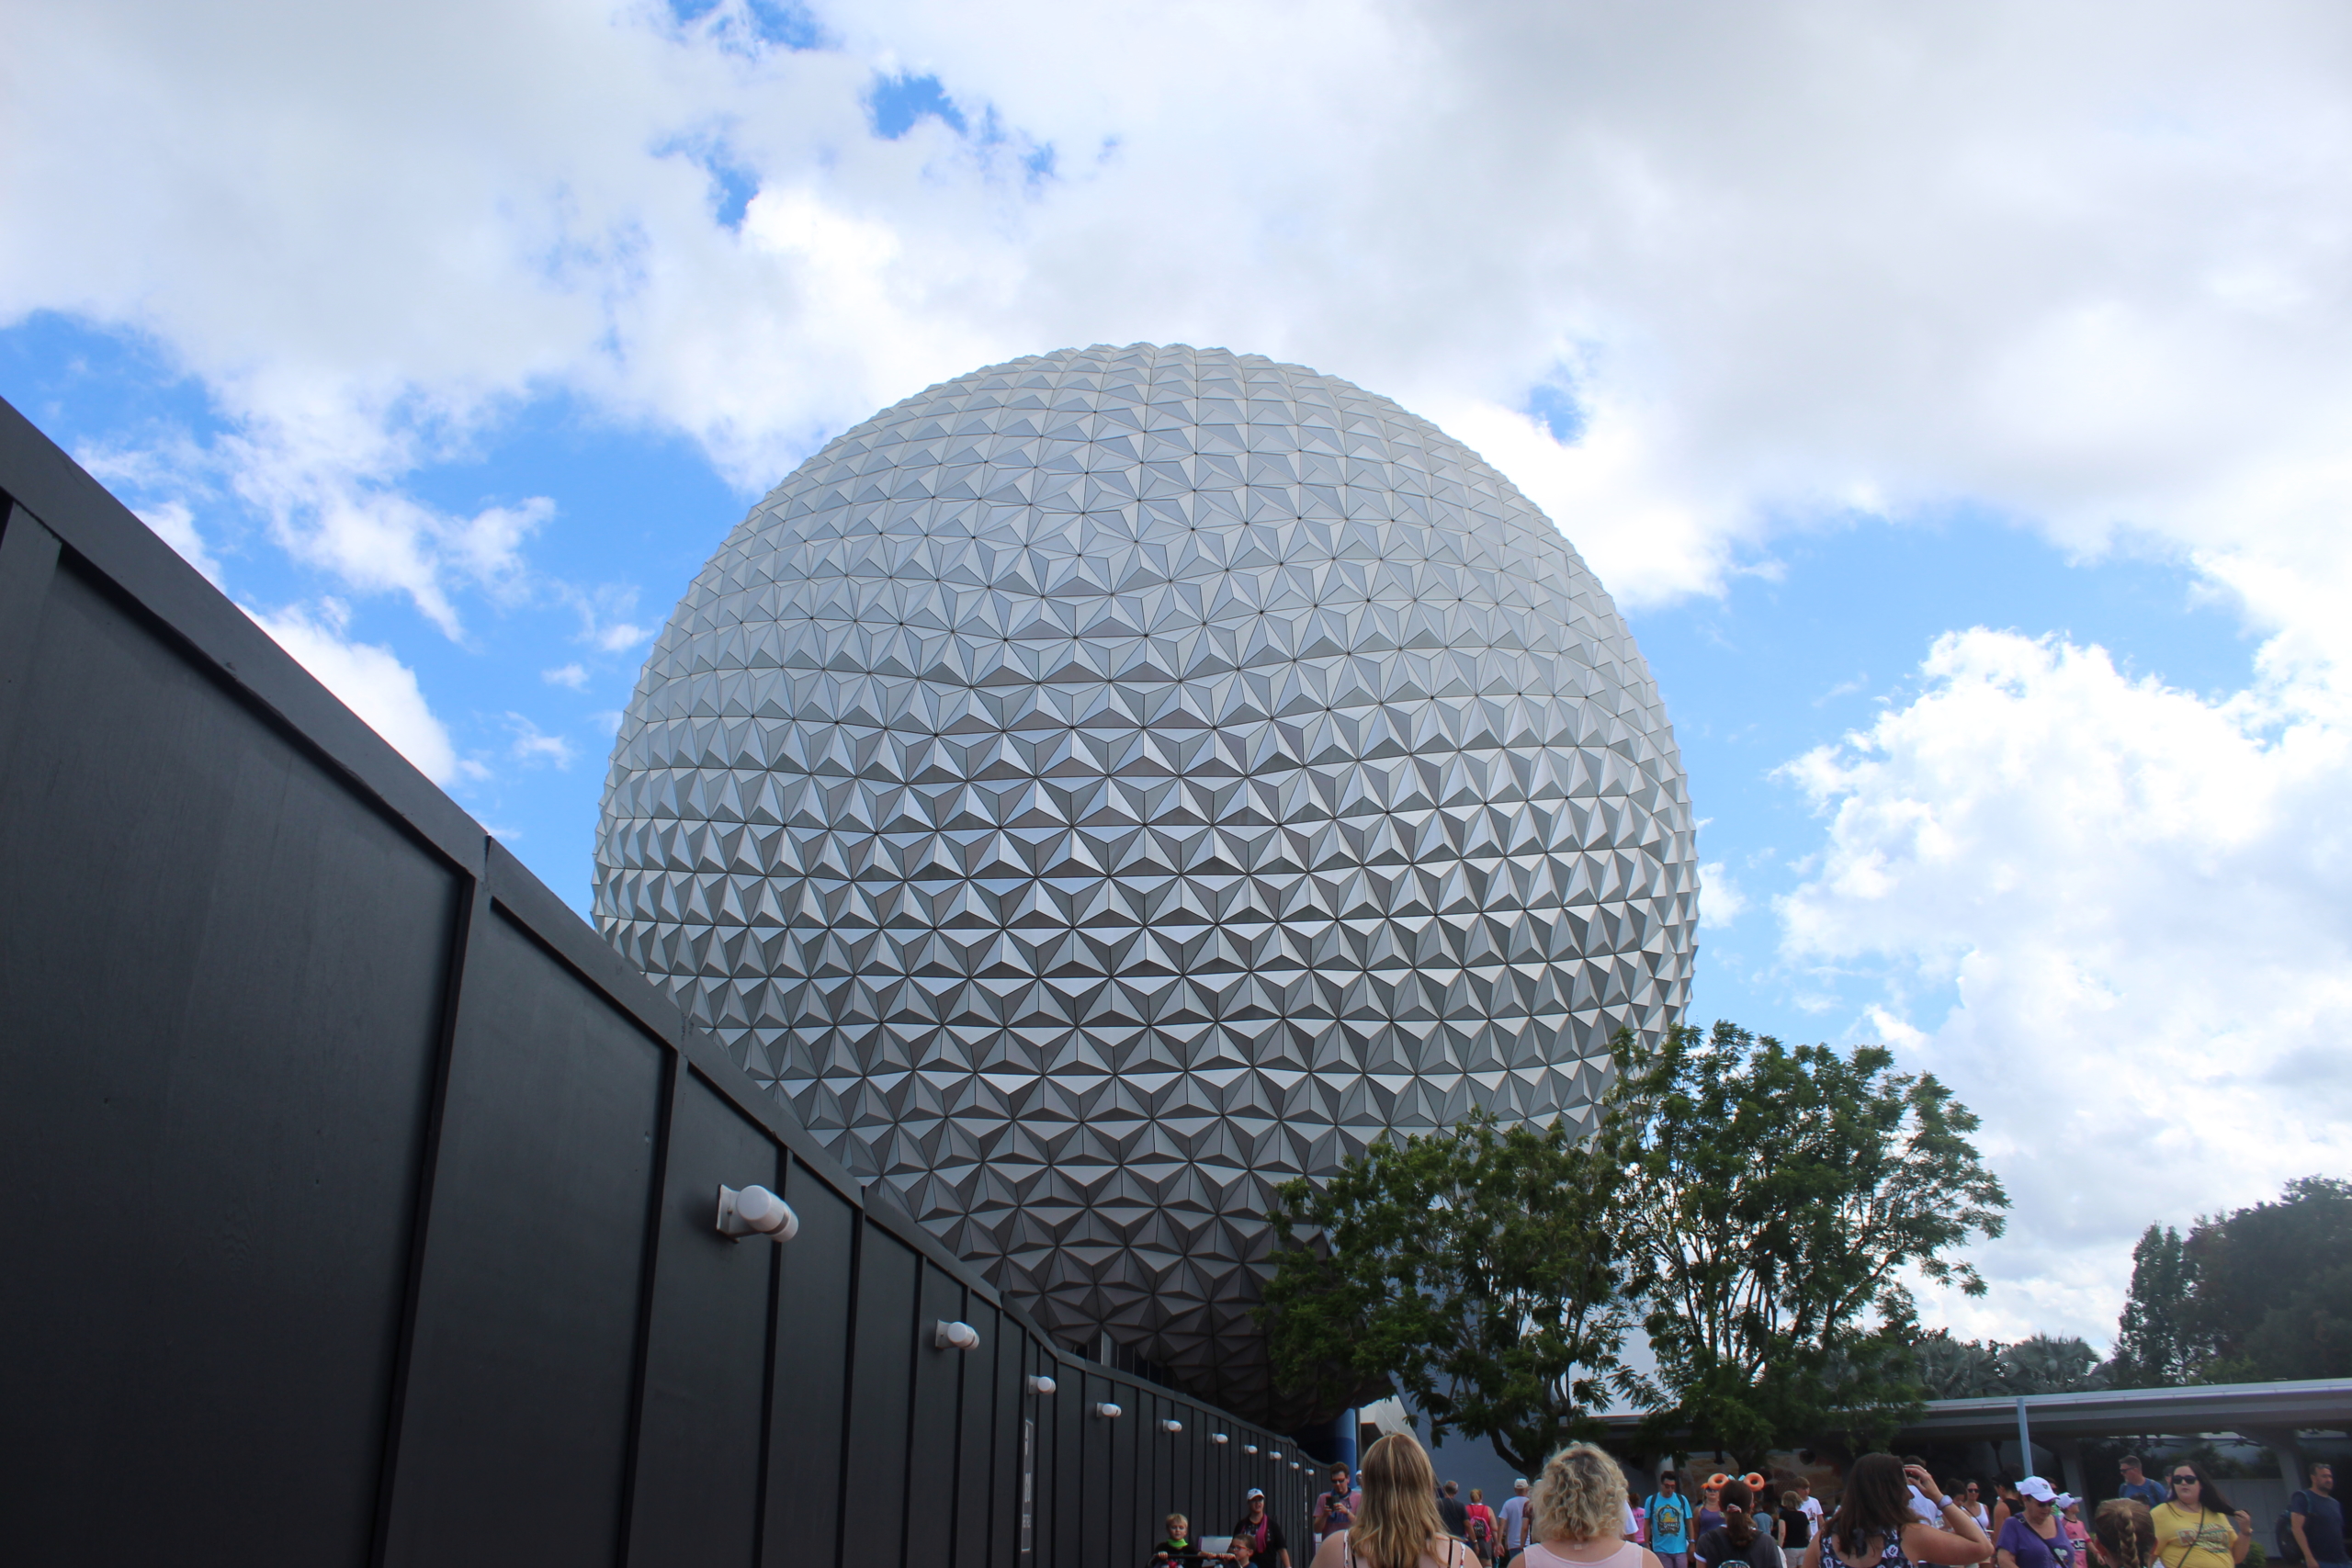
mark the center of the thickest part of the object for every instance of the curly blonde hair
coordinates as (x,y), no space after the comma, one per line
(1580,1496)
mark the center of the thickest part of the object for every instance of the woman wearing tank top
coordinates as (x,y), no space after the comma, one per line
(1576,1518)
(1875,1525)
(1398,1526)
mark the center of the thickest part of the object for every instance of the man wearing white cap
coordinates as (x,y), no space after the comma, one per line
(1515,1520)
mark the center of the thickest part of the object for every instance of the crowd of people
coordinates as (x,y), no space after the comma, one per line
(1892,1513)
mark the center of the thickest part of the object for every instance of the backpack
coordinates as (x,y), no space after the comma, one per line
(2285,1531)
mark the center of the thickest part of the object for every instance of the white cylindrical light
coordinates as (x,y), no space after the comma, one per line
(946,1336)
(1249,1447)
(1040,1384)
(1218,1438)
(1108,1411)
(755,1211)
(1171,1426)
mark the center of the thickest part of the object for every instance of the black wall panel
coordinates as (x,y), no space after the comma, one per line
(809,1411)
(976,1432)
(882,1372)
(1011,1407)
(206,948)
(699,1464)
(936,1427)
(514,1446)
(1131,1520)
(361,1200)
(1074,1423)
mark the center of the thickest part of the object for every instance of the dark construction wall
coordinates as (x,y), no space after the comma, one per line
(359,1200)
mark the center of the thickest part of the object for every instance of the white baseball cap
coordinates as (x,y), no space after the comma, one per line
(1253,1491)
(2041,1491)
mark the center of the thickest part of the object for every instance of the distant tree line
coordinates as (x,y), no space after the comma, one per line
(1756,1208)
(2254,1295)
(1968,1369)
(2258,1293)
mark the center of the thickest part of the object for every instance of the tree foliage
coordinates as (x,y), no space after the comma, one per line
(1773,1199)
(2266,1299)
(1475,1268)
(1965,1369)
(1759,1206)
(2155,1346)
(2254,1294)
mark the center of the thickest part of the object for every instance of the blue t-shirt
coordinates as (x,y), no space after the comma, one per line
(2323,1525)
(2149,1492)
(1669,1521)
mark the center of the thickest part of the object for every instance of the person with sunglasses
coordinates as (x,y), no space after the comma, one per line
(2198,1528)
(2035,1538)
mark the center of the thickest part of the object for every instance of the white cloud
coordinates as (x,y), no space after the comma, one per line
(1720,899)
(533,745)
(572,675)
(2117,918)
(176,524)
(370,679)
(604,615)
(332,510)
(1796,259)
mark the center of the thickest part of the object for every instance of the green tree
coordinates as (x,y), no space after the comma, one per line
(2154,1344)
(2308,1335)
(1964,1369)
(1472,1268)
(1956,1368)
(2050,1364)
(1773,1199)
(2263,1298)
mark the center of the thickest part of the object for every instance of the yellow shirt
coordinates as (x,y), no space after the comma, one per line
(2185,1539)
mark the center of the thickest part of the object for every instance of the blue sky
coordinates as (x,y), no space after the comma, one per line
(1954,402)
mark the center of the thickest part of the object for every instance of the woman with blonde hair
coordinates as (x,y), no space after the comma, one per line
(1578,1515)
(1398,1525)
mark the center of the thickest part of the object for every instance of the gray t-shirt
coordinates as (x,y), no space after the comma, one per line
(1515,1523)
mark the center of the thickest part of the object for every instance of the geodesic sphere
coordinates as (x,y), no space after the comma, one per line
(1110,784)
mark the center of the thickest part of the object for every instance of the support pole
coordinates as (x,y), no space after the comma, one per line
(2025,1441)
(2069,1466)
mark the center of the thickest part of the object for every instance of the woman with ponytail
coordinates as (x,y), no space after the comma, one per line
(1875,1525)
(1737,1539)
(1397,1527)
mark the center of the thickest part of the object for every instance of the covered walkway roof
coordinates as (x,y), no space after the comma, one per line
(2242,1407)
(2257,1411)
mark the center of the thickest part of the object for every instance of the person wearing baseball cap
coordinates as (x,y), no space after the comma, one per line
(1257,1538)
(2036,1538)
